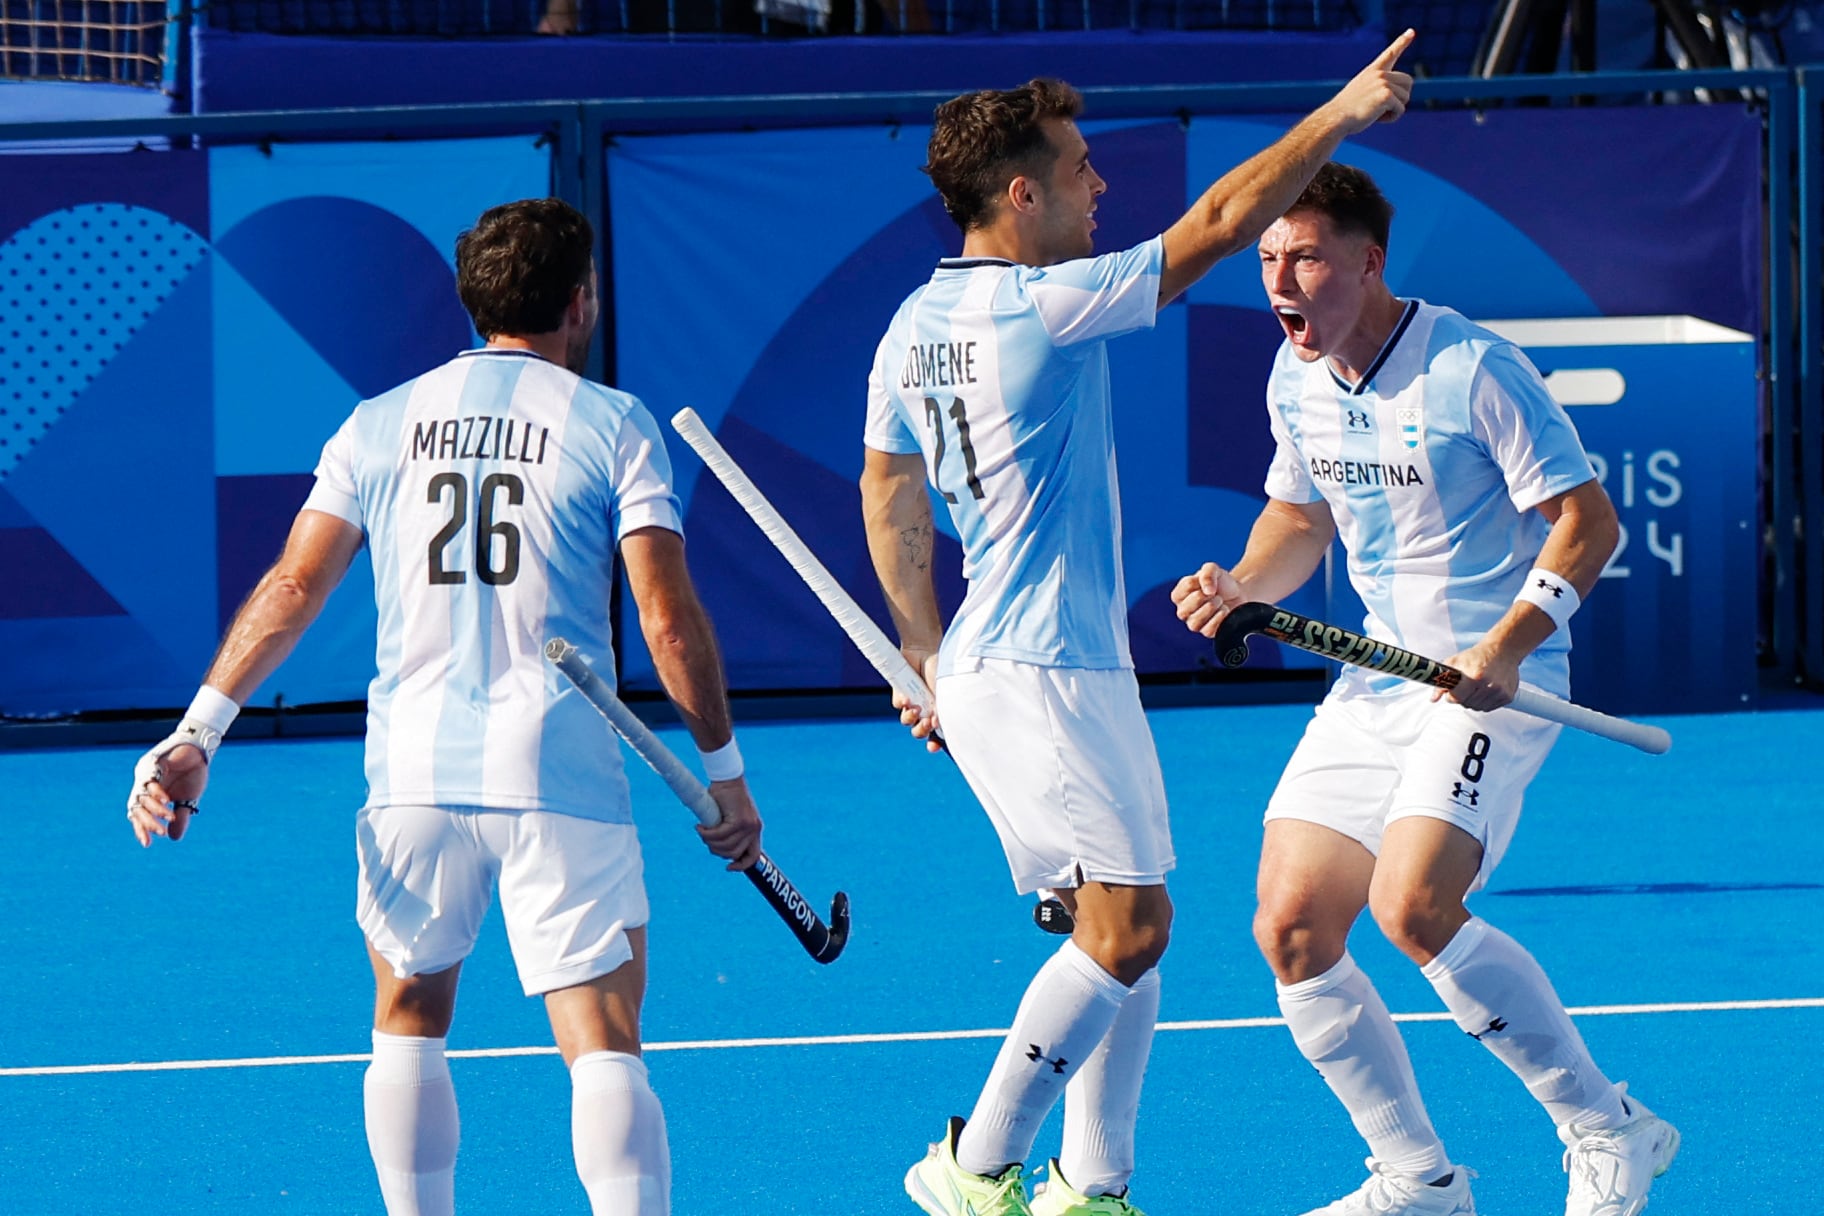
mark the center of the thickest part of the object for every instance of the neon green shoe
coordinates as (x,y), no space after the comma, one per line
(1056,1197)
(943,1188)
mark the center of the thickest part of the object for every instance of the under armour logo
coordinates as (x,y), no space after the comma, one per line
(1494,1027)
(1038,1053)
(1459,791)
(1554,588)
(1358,420)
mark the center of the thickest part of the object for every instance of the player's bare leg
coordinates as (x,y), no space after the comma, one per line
(1312,884)
(1421,879)
(617,1126)
(604,1013)
(412,1124)
(1124,929)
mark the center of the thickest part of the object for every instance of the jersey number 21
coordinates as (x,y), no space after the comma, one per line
(934,414)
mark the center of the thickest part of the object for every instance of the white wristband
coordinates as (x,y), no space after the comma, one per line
(1552,594)
(210,715)
(723,764)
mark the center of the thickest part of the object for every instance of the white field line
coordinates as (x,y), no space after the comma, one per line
(844,1040)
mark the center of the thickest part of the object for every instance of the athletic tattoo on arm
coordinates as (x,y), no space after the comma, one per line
(917,542)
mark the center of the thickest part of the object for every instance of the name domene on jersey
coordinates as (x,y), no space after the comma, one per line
(480,437)
(938,365)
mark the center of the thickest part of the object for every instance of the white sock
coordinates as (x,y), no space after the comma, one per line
(412,1127)
(1102,1101)
(617,1129)
(1068,1007)
(1497,992)
(1342,1026)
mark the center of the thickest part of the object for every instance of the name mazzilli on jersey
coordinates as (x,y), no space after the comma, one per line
(480,437)
(1364,473)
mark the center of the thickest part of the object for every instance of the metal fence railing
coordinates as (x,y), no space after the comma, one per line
(126,41)
(106,41)
(1449,32)
(470,18)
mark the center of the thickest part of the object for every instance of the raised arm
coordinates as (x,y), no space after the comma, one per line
(1246,200)
(1284,548)
(689,666)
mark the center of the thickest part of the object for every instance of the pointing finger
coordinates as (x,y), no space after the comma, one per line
(1395,49)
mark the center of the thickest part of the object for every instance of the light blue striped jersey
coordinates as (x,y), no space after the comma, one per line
(1432,466)
(998,374)
(492,492)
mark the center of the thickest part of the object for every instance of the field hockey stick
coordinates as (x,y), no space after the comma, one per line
(823,942)
(878,649)
(875,646)
(1347,646)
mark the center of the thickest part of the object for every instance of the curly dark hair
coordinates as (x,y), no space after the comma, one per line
(981,141)
(1351,200)
(519,266)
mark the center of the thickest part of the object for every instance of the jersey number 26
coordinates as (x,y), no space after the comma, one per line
(488,529)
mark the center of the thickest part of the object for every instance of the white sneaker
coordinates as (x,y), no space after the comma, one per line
(1612,1170)
(1388,1192)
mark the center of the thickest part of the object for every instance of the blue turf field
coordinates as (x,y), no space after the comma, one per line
(1696,878)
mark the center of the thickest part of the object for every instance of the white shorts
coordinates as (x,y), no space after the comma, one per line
(1064,764)
(570,888)
(1369,759)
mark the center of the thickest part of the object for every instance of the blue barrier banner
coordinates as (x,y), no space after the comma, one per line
(1667,410)
(182,333)
(754,274)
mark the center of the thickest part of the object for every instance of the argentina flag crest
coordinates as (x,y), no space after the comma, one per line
(1412,424)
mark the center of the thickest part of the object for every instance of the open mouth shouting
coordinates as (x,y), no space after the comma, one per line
(1299,332)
